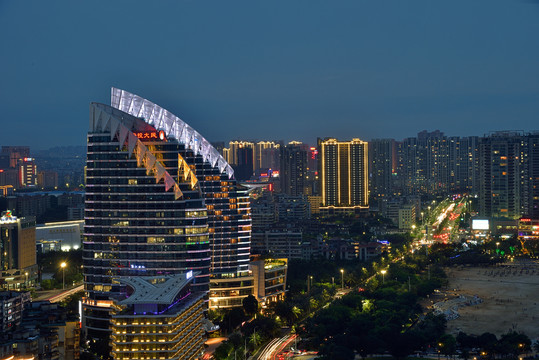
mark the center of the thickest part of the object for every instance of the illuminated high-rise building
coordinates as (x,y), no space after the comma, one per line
(17,252)
(502,162)
(343,174)
(145,214)
(27,172)
(227,204)
(233,149)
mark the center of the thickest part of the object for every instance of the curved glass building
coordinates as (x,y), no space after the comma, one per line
(160,201)
(145,213)
(228,208)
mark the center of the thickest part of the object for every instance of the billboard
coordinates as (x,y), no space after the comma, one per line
(480,224)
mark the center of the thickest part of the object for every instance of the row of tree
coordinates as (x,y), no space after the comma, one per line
(385,316)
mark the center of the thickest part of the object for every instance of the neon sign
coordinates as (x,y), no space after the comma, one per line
(150,135)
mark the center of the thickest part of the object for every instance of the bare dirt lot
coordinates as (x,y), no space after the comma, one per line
(510,294)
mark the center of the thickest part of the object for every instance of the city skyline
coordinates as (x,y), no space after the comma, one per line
(367,70)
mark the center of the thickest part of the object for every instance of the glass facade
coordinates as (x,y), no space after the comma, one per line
(134,224)
(228,207)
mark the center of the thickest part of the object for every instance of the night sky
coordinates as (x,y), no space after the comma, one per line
(290,70)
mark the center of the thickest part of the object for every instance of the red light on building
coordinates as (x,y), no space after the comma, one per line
(150,135)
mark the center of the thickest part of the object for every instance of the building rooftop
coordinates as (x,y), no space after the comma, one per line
(175,127)
(146,292)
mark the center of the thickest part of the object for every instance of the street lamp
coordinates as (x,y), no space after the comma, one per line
(342,279)
(383,272)
(26,282)
(63,266)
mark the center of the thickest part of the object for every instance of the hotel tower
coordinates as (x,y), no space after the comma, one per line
(160,201)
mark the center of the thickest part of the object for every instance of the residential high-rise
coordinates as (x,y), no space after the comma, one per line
(15,153)
(227,204)
(267,155)
(244,168)
(501,164)
(233,148)
(533,175)
(344,173)
(382,160)
(293,172)
(463,164)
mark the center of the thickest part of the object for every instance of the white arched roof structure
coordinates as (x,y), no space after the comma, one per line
(173,126)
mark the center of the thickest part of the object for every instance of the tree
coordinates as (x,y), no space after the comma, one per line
(250,305)
(514,343)
(447,344)
(335,352)
(255,339)
(223,351)
(403,344)
(233,318)
(368,344)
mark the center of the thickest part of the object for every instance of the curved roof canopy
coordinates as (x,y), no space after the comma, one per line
(172,125)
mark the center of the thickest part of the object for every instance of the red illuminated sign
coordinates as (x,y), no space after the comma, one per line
(150,135)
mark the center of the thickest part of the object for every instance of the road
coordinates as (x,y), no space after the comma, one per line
(275,347)
(57,295)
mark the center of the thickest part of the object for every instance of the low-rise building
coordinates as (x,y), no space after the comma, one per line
(278,243)
(348,249)
(407,217)
(270,279)
(64,235)
(528,229)
(45,331)
(12,304)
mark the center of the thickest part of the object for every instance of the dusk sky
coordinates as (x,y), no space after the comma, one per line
(290,70)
